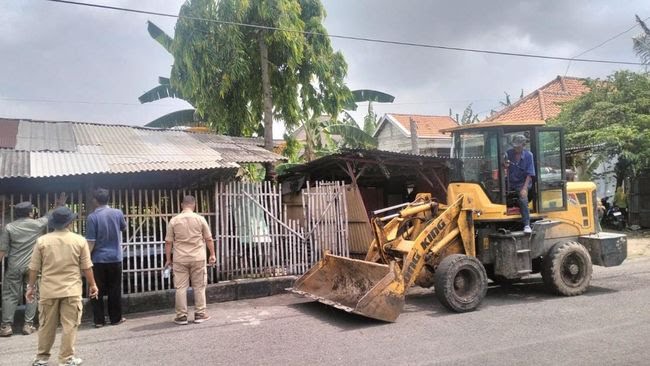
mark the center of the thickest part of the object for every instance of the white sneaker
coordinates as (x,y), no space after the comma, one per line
(527,229)
(72,361)
(38,362)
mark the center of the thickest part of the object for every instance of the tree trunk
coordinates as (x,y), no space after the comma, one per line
(267,97)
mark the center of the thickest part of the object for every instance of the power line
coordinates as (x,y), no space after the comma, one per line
(603,43)
(27,100)
(353,38)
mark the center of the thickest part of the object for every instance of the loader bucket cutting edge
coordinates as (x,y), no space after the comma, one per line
(365,288)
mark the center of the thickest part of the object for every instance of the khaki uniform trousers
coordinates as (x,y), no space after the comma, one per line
(13,287)
(197,274)
(66,310)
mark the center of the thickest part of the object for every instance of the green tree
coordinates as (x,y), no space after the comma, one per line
(642,42)
(615,112)
(237,76)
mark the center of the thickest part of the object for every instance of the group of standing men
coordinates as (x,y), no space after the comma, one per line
(47,267)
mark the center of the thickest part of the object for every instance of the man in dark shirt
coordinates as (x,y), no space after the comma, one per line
(104,234)
(521,170)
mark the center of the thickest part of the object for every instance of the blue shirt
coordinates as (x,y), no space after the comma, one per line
(104,226)
(518,171)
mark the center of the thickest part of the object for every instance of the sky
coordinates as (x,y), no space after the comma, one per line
(65,62)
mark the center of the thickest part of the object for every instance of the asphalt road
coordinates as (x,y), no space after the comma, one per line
(521,325)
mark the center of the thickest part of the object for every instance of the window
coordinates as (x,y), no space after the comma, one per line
(479,155)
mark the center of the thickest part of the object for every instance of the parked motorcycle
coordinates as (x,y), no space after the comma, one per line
(613,217)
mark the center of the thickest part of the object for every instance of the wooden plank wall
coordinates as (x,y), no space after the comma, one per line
(360,230)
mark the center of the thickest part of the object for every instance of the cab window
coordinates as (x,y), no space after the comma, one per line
(479,156)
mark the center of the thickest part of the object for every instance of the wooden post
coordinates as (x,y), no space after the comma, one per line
(414,137)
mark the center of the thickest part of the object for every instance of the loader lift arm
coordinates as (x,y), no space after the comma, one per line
(377,287)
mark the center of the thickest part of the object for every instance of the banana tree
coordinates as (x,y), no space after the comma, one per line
(370,96)
(164,90)
(642,42)
(324,135)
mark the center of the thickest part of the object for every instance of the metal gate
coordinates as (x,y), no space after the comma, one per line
(255,238)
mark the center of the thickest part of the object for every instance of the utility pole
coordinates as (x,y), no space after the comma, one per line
(414,137)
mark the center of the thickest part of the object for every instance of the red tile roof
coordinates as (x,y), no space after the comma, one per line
(428,126)
(543,103)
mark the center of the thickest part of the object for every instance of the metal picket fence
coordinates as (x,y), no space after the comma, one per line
(254,236)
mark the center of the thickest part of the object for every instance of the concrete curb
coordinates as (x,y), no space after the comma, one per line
(218,292)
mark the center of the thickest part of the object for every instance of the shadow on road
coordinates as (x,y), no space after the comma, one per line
(155,326)
(531,290)
(338,318)
(424,300)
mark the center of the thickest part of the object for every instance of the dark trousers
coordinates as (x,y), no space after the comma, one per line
(109,280)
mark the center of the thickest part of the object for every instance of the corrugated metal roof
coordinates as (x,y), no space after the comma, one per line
(75,148)
(45,136)
(54,164)
(238,149)
(8,131)
(14,163)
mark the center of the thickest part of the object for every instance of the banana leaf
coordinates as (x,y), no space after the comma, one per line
(183,117)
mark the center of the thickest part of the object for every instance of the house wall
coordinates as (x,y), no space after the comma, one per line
(391,138)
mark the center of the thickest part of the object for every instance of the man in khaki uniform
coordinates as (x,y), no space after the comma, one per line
(188,234)
(59,256)
(17,242)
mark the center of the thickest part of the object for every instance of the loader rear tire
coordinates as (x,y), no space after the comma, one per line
(567,269)
(460,283)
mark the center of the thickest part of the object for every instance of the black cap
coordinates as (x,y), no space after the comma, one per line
(23,209)
(61,217)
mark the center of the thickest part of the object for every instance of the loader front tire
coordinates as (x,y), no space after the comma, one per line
(567,269)
(460,283)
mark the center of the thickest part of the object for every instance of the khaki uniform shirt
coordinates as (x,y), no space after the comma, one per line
(18,240)
(187,232)
(60,256)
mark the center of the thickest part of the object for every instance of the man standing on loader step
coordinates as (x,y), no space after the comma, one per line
(521,170)
(17,242)
(104,228)
(189,234)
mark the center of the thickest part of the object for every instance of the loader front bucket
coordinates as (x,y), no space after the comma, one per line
(366,288)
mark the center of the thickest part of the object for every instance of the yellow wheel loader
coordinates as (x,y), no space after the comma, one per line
(455,247)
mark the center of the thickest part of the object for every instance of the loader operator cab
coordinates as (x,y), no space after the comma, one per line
(481,153)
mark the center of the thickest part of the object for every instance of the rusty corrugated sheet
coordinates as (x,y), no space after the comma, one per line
(14,164)
(238,149)
(8,132)
(45,136)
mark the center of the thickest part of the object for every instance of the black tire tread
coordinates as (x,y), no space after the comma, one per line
(551,268)
(446,272)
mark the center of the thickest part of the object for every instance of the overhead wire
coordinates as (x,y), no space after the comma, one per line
(32,100)
(347,37)
(602,44)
